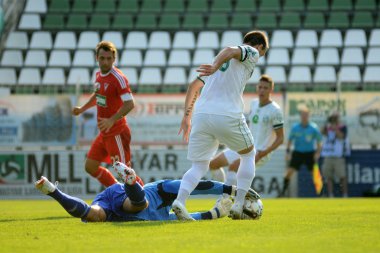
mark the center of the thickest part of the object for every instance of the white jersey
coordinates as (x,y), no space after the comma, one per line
(263,121)
(222,93)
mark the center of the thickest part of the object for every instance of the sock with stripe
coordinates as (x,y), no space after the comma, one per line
(74,206)
(104,176)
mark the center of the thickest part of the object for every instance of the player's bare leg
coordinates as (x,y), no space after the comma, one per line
(288,175)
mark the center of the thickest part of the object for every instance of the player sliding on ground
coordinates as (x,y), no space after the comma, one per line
(132,202)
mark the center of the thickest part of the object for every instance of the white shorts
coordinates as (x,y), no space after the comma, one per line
(208,130)
(232,156)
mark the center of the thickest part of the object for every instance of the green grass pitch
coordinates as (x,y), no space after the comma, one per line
(288,225)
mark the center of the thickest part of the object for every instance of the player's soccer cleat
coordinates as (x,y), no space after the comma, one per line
(236,211)
(45,186)
(252,194)
(125,173)
(181,212)
(222,208)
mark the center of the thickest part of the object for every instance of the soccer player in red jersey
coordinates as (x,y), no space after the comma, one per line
(113,100)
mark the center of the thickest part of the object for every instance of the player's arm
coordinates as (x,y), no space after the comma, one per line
(90,103)
(191,97)
(279,132)
(225,55)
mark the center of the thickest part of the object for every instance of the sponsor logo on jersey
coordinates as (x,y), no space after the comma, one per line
(101,100)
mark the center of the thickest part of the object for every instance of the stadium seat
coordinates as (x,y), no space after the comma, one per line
(203,56)
(318,5)
(365,5)
(35,58)
(355,38)
(352,56)
(303,56)
(12,58)
(84,58)
(155,58)
(197,6)
(193,21)
(105,6)
(278,56)
(277,73)
(88,40)
(151,6)
(270,5)
(76,21)
(131,57)
(371,74)
(328,56)
(231,38)
(373,56)
(266,21)
(221,6)
(115,37)
(59,58)
(174,6)
(341,5)
(79,75)
(65,40)
(99,21)
(294,5)
(8,76)
(363,19)
(150,76)
(41,40)
(82,6)
(307,38)
(131,74)
(17,40)
(290,21)
(184,40)
(30,22)
(146,21)
(128,6)
(300,74)
(159,40)
(179,57)
(324,74)
(175,76)
(254,79)
(136,40)
(59,6)
(282,38)
(338,20)
(29,76)
(244,5)
(350,74)
(241,21)
(55,76)
(374,38)
(314,20)
(122,21)
(331,38)
(208,40)
(54,22)
(170,21)
(35,6)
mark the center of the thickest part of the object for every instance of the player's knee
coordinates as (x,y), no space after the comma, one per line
(91,167)
(130,207)
(96,214)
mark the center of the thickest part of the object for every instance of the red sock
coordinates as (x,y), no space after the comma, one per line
(139,180)
(104,176)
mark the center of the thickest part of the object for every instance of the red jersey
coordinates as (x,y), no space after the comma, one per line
(108,89)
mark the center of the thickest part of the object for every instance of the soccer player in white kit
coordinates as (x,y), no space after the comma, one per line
(266,122)
(218,117)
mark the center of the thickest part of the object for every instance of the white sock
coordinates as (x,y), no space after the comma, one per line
(231,177)
(191,179)
(245,175)
(218,175)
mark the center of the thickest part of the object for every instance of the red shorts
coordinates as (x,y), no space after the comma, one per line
(112,148)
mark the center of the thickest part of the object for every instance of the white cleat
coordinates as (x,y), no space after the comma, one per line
(222,207)
(125,173)
(236,211)
(181,212)
(252,194)
(45,186)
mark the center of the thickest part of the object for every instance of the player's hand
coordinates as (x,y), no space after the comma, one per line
(76,110)
(206,69)
(185,128)
(287,157)
(259,154)
(105,124)
(316,157)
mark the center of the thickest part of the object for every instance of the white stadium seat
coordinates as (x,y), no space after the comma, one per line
(203,56)
(30,22)
(184,40)
(155,57)
(352,56)
(88,40)
(231,38)
(350,74)
(324,74)
(277,73)
(131,74)
(331,38)
(179,57)
(8,76)
(78,75)
(355,38)
(17,40)
(65,40)
(136,40)
(84,58)
(371,74)
(35,6)
(150,76)
(328,56)
(12,58)
(175,76)
(159,40)
(54,76)
(278,56)
(374,38)
(115,37)
(59,58)
(35,58)
(131,57)
(373,56)
(29,76)
(300,74)
(208,40)
(307,38)
(282,38)
(41,40)
(303,56)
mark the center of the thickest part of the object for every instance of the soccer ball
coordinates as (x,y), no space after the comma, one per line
(252,209)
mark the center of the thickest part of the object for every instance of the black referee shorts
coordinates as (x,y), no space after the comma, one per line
(302,158)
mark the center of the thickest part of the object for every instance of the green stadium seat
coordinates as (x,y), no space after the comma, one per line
(266,21)
(99,21)
(128,6)
(54,21)
(362,19)
(146,21)
(197,6)
(169,21)
(314,20)
(82,6)
(318,5)
(270,5)
(77,21)
(122,21)
(193,21)
(365,5)
(338,20)
(290,20)
(294,5)
(245,6)
(241,20)
(221,6)
(60,6)
(151,6)
(108,6)
(174,6)
(216,21)
(341,5)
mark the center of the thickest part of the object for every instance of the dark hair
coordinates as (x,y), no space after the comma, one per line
(268,79)
(106,46)
(254,38)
